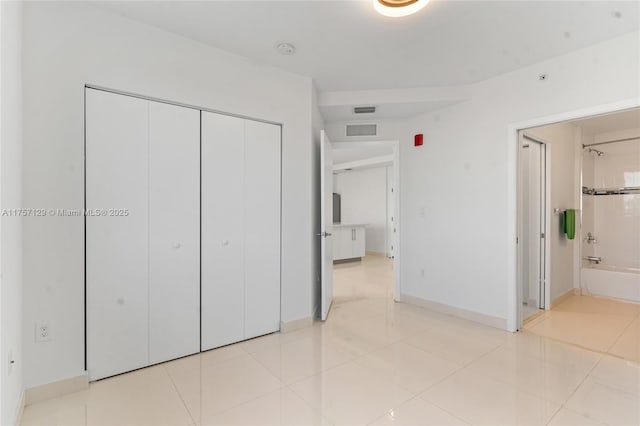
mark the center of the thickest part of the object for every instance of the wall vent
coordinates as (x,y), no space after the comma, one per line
(364,110)
(362,129)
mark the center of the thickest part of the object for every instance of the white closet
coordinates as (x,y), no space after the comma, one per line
(151,294)
(143,280)
(174,232)
(240,229)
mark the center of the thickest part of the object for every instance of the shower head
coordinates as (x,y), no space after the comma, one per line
(596,152)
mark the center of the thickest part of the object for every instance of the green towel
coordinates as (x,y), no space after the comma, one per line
(569,223)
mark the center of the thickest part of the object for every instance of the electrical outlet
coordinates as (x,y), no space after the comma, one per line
(43,332)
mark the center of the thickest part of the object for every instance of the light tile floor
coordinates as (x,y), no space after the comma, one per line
(594,323)
(373,362)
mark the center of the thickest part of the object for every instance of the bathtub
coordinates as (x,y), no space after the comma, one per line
(612,281)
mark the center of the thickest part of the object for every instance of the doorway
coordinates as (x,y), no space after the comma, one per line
(592,294)
(591,288)
(361,227)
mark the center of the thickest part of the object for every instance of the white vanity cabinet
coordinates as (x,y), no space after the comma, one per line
(348,241)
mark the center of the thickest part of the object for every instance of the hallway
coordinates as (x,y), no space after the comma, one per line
(371,278)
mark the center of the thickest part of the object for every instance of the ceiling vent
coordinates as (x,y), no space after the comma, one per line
(362,129)
(364,110)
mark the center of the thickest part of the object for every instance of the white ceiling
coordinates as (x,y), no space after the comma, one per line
(611,122)
(346,45)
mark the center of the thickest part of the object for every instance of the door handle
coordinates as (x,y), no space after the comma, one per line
(324,234)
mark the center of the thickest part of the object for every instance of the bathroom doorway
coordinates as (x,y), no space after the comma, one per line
(592,282)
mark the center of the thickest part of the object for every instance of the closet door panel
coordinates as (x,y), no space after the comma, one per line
(262,228)
(174,232)
(116,246)
(223,289)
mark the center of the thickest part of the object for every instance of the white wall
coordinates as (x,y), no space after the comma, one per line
(67,45)
(363,199)
(464,175)
(560,140)
(11,381)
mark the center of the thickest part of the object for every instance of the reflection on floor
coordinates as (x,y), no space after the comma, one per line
(372,362)
(594,323)
(370,278)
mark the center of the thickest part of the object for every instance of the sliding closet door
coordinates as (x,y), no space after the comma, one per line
(223,220)
(174,232)
(116,246)
(262,228)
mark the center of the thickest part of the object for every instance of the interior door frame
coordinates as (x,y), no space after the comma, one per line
(513,129)
(326,227)
(395,145)
(545,211)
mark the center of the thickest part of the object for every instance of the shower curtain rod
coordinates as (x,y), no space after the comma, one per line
(611,141)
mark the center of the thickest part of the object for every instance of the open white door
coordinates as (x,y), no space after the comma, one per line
(326,224)
(533,171)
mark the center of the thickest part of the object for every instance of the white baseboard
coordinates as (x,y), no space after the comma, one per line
(555,302)
(489,320)
(582,292)
(55,389)
(286,327)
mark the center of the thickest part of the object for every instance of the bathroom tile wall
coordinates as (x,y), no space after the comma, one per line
(616,218)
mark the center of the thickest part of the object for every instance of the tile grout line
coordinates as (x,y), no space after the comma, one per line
(234,406)
(560,405)
(417,397)
(563,405)
(319,410)
(244,402)
(575,345)
(351,360)
(624,330)
(175,387)
(258,396)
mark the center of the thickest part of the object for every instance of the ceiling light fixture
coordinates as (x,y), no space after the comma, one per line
(398,8)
